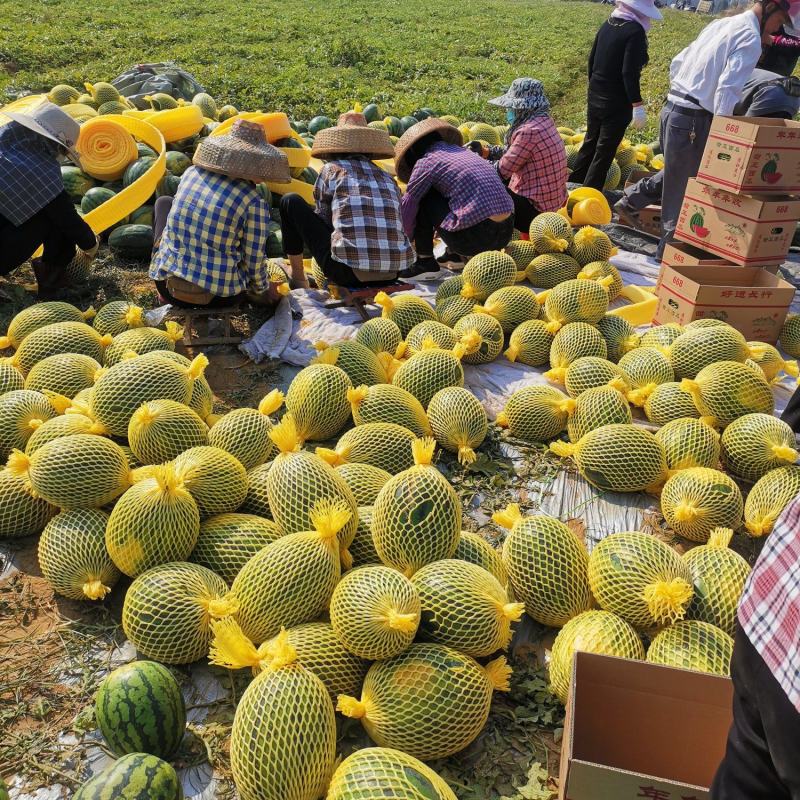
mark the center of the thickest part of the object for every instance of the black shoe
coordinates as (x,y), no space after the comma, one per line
(422,269)
(450,258)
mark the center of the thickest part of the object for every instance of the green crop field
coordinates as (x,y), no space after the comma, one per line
(310,56)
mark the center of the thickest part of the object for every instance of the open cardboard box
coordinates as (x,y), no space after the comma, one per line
(679,254)
(635,729)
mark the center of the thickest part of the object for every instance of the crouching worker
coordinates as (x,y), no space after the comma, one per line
(34,208)
(212,236)
(355,232)
(451,191)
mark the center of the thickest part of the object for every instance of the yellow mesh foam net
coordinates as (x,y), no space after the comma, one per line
(118,316)
(317,400)
(380,334)
(511,306)
(487,272)
(22,412)
(536,413)
(589,372)
(359,362)
(65,374)
(160,430)
(689,443)
(37,316)
(576,301)
(405,310)
(690,644)
(21,514)
(11,379)
(699,347)
(550,269)
(530,343)
(790,335)
(55,428)
(754,444)
(768,497)
(646,368)
(56,338)
(459,422)
(619,336)
(364,480)
(575,340)
(385,402)
(428,333)
(474,549)
(669,402)
(214,478)
(596,408)
(382,444)
(362,548)
(428,371)
(257,500)
(488,346)
(142,340)
(550,233)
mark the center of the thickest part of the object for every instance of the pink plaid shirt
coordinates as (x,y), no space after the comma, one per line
(769,611)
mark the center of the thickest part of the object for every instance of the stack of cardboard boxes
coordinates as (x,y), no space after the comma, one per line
(735,228)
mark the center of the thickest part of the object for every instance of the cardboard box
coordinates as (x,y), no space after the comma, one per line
(635,730)
(751,231)
(752,155)
(650,221)
(684,255)
(753,300)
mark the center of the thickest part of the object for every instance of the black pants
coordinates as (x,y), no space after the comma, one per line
(524,212)
(484,235)
(606,124)
(791,415)
(761,761)
(300,225)
(58,227)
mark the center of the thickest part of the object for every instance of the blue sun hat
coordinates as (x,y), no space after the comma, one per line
(524,94)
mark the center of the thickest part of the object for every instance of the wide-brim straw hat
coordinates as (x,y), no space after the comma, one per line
(48,120)
(243,153)
(352,135)
(448,132)
(524,94)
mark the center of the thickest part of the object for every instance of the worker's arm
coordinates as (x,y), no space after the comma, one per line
(63,216)
(519,152)
(254,244)
(633,62)
(738,68)
(782,40)
(418,185)
(591,54)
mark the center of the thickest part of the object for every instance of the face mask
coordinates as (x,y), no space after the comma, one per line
(510,116)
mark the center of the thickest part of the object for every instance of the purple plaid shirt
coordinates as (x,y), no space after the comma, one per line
(471,185)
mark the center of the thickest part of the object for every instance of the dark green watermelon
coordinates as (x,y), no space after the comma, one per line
(137,776)
(145,151)
(264,191)
(319,123)
(142,216)
(136,170)
(289,141)
(408,122)
(301,126)
(423,113)
(372,112)
(275,245)
(115,186)
(76,183)
(167,186)
(95,197)
(139,706)
(309,175)
(394,126)
(178,162)
(132,241)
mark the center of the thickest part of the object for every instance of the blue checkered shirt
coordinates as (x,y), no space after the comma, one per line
(215,236)
(30,176)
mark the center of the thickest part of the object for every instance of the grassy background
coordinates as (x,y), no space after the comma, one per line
(308,56)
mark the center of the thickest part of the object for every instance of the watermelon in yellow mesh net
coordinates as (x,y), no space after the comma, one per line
(699,347)
(168,611)
(283,740)
(522,252)
(689,443)
(590,244)
(575,340)
(383,772)
(37,316)
(141,341)
(21,514)
(160,430)
(156,521)
(771,361)
(536,413)
(728,390)
(64,373)
(511,306)
(60,337)
(450,287)
(718,575)
(359,362)
(617,458)
(754,444)
(364,480)
(550,269)
(645,368)
(596,270)
(244,432)
(405,310)
(695,501)
(530,343)
(73,556)
(790,335)
(696,324)
(430,701)
(379,334)
(21,413)
(576,301)
(474,549)
(429,333)
(669,402)
(661,337)
(459,422)
(417,515)
(118,316)
(257,501)
(589,372)
(465,607)
(769,497)
(690,644)
(226,542)
(595,408)
(428,371)
(488,343)
(619,335)
(451,309)
(214,478)
(546,565)
(641,579)
(11,379)
(65,425)
(75,471)
(487,272)
(121,389)
(381,444)
(362,548)
(291,581)
(202,398)
(388,403)
(317,400)
(590,632)
(375,612)
(550,233)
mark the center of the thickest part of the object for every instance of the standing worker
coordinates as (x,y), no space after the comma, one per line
(619,54)
(783,52)
(706,78)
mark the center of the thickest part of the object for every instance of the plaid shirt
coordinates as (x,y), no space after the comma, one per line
(361,203)
(30,176)
(769,611)
(215,236)
(470,184)
(535,164)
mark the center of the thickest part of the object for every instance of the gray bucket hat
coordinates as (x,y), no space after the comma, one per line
(48,120)
(524,94)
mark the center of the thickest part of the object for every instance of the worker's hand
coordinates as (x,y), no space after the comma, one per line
(92,252)
(639,117)
(477,147)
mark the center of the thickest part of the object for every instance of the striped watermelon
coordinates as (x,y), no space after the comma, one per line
(137,776)
(140,709)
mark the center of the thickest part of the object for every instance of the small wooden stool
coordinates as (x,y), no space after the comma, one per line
(360,298)
(189,316)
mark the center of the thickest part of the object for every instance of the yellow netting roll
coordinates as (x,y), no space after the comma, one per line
(215,479)
(385,402)
(430,701)
(769,497)
(21,514)
(474,549)
(162,429)
(595,408)
(689,443)
(690,644)
(364,480)
(536,413)
(459,422)
(756,443)
(106,148)
(382,444)
(375,612)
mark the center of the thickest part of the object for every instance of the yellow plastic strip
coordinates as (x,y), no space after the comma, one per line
(177,123)
(106,148)
(641,308)
(305,190)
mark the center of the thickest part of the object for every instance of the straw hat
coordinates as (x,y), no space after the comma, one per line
(48,120)
(352,135)
(524,94)
(449,134)
(243,152)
